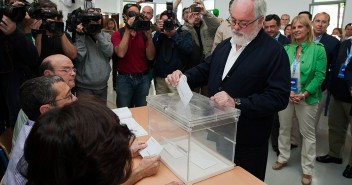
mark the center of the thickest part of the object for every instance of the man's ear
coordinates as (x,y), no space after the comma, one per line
(44,108)
(47,72)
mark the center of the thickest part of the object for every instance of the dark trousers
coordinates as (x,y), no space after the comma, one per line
(253,159)
(275,133)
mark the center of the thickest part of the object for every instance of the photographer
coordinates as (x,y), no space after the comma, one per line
(133,46)
(18,58)
(202,25)
(172,50)
(47,41)
(94,52)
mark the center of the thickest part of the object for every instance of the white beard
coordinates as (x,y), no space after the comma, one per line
(241,38)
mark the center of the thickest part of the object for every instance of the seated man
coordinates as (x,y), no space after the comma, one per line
(37,96)
(56,64)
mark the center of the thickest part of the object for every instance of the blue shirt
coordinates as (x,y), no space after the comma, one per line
(12,175)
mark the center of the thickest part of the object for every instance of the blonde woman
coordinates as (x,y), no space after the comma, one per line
(308,66)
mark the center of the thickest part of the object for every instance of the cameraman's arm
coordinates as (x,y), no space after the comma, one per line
(122,46)
(81,47)
(24,48)
(212,22)
(183,41)
(38,37)
(150,50)
(80,43)
(175,4)
(69,49)
(105,45)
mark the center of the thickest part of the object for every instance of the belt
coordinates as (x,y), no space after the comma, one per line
(133,74)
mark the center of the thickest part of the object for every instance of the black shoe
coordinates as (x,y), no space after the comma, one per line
(329,159)
(348,172)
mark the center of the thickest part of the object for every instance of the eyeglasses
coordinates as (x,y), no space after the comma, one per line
(67,70)
(241,24)
(69,96)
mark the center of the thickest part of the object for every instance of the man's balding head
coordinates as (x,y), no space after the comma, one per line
(59,65)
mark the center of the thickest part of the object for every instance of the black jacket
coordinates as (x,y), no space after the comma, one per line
(260,78)
(171,53)
(331,45)
(339,87)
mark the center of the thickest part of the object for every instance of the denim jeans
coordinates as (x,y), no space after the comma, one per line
(132,90)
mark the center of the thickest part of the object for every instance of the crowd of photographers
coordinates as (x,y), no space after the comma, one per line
(141,51)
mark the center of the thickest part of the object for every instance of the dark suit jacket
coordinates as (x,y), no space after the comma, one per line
(331,45)
(260,78)
(339,87)
(283,40)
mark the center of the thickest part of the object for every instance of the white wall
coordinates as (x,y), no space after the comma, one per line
(273,6)
(347,17)
(280,7)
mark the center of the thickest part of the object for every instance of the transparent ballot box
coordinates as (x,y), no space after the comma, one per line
(198,140)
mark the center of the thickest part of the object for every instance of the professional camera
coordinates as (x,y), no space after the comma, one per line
(15,13)
(79,16)
(139,23)
(169,23)
(196,9)
(35,11)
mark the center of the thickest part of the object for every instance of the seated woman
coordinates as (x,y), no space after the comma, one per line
(81,143)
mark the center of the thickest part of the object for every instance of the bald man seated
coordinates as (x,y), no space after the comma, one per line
(59,65)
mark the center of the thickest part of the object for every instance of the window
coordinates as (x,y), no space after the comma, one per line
(334,8)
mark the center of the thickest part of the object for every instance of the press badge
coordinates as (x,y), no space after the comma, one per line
(342,71)
(294,85)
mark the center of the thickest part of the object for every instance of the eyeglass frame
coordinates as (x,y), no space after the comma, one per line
(238,23)
(66,70)
(69,96)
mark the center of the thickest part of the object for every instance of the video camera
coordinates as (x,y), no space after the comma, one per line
(35,11)
(169,23)
(139,23)
(15,13)
(79,16)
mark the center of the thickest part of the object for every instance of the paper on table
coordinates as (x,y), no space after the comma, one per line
(125,116)
(202,160)
(174,151)
(134,127)
(184,91)
(153,147)
(123,112)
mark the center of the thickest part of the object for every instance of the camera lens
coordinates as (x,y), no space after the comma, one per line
(131,14)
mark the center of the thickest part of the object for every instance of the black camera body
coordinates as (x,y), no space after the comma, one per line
(169,23)
(79,16)
(196,9)
(139,23)
(15,13)
(35,11)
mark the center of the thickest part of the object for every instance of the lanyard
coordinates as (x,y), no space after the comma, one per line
(295,63)
(349,55)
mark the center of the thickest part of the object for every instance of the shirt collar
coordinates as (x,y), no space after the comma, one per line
(277,36)
(317,39)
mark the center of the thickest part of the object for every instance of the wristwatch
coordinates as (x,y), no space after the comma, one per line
(237,101)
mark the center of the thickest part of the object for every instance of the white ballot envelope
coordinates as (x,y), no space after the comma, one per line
(153,148)
(184,91)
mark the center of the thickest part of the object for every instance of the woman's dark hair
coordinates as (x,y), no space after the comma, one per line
(80,143)
(288,25)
